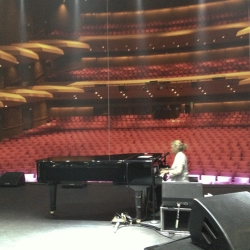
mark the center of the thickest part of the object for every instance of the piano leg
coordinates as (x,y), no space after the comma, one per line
(52,192)
(138,204)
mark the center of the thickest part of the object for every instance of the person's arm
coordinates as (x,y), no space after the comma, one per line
(177,166)
(176,171)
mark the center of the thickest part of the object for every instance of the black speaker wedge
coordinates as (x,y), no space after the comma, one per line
(12,179)
(221,222)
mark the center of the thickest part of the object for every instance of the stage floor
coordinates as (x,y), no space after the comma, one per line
(82,220)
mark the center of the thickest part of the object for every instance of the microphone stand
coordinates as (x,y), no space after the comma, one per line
(154,221)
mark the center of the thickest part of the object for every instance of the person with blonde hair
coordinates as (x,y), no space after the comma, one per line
(179,168)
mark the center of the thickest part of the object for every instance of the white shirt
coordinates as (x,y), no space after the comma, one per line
(179,168)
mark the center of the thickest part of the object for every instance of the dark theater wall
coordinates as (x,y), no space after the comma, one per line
(36,21)
(222,106)
(11,119)
(8,21)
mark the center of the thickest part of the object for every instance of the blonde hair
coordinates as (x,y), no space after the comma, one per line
(179,145)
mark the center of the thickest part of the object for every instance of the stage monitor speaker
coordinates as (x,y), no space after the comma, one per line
(12,179)
(221,221)
(181,244)
(74,184)
(180,192)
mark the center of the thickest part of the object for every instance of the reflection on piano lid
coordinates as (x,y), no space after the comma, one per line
(145,157)
(117,157)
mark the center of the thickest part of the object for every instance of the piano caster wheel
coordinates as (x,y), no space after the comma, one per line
(52,212)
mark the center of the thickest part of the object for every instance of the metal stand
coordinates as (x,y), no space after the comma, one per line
(153,221)
(177,216)
(172,224)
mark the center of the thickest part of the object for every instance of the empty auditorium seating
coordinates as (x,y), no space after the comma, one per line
(160,71)
(120,27)
(209,153)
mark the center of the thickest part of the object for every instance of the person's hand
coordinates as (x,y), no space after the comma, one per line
(165,177)
(164,171)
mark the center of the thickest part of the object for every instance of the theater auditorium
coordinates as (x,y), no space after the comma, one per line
(93,92)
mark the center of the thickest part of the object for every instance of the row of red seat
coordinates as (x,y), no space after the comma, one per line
(158,26)
(133,121)
(154,71)
(209,148)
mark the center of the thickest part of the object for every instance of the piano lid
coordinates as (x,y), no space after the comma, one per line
(146,157)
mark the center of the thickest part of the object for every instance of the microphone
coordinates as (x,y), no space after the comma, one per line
(165,154)
(159,159)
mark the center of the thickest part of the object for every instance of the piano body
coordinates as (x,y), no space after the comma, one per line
(133,170)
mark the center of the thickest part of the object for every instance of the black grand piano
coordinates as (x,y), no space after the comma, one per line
(133,170)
